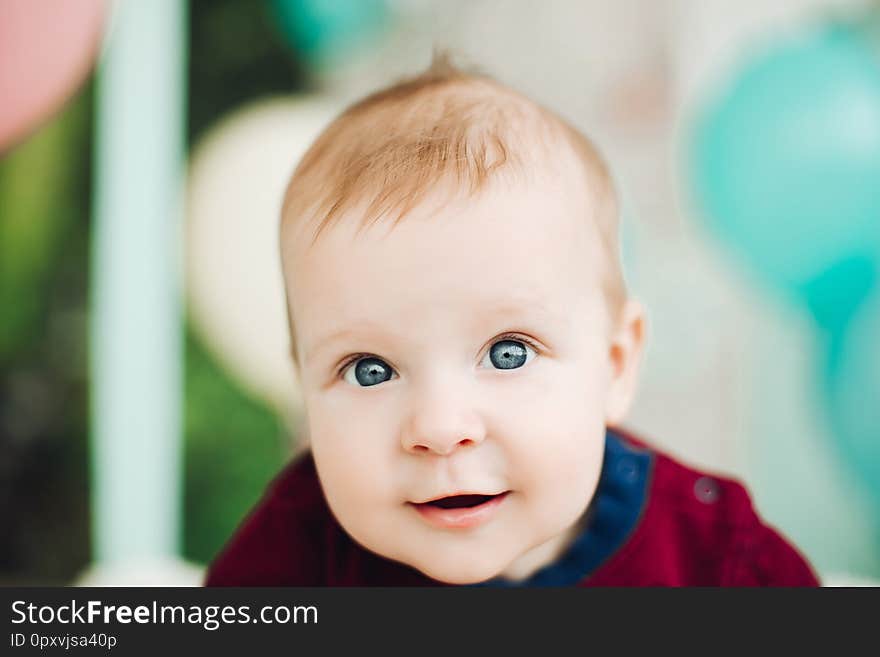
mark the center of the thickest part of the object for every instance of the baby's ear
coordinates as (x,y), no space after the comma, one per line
(625,356)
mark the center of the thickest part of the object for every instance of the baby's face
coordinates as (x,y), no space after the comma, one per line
(464,351)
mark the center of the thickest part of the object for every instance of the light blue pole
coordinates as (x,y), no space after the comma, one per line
(136,345)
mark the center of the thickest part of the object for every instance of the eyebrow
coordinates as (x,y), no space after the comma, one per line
(337,335)
(518,308)
(524,309)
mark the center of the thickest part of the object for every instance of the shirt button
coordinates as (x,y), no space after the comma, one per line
(707,490)
(627,469)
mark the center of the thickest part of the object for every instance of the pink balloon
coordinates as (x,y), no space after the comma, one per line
(47,48)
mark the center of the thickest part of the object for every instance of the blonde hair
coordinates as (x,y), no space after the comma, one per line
(388,150)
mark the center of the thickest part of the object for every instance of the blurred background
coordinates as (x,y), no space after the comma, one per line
(145,396)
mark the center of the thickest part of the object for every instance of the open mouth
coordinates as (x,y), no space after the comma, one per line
(460,511)
(460,501)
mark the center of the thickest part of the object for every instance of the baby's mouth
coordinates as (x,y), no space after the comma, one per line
(461,511)
(460,501)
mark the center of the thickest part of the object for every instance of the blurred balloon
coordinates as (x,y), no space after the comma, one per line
(329,30)
(836,294)
(46,50)
(236,296)
(852,392)
(786,161)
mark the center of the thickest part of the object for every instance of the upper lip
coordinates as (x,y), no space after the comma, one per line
(444,495)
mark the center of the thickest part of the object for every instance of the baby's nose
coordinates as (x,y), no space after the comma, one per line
(440,447)
(440,427)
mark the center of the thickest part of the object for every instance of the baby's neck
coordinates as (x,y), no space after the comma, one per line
(543,555)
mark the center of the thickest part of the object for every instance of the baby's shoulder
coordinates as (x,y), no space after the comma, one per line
(701,528)
(280,540)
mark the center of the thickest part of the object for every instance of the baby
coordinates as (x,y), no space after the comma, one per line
(464,343)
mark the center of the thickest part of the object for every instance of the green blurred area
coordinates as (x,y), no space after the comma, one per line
(233,444)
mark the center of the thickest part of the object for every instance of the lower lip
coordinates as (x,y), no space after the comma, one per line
(463,518)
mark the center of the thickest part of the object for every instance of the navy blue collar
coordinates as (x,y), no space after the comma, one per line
(609,520)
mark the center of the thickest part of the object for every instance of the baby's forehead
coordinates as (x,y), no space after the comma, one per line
(554,202)
(557,175)
(507,248)
(456,264)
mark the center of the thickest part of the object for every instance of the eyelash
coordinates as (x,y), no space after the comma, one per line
(517,337)
(340,372)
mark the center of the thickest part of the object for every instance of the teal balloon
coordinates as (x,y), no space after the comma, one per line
(835,295)
(325,31)
(852,396)
(786,158)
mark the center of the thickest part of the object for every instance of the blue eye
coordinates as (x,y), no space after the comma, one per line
(368,371)
(509,354)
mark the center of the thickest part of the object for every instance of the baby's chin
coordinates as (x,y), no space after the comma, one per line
(457,571)
(459,576)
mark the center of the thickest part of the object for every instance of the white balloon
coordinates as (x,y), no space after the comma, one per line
(237,178)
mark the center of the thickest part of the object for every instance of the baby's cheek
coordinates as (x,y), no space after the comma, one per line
(351,469)
(562,485)
(556,446)
(554,410)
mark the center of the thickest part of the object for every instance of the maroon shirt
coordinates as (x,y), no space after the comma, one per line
(652,522)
